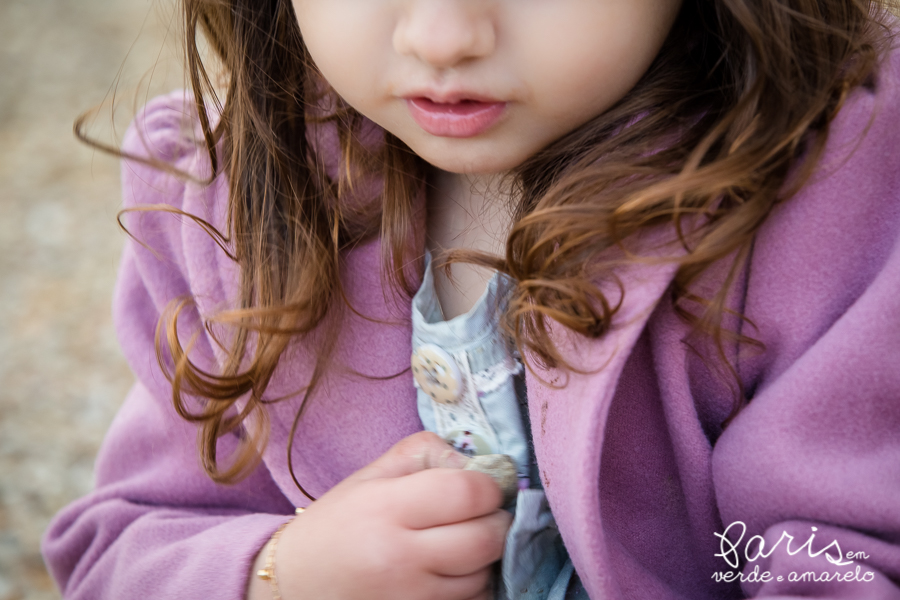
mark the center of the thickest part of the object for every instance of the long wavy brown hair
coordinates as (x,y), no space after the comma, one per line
(728,122)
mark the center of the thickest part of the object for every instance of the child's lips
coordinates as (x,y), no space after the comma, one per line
(459,119)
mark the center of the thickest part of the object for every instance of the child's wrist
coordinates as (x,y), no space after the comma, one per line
(268,573)
(263,584)
(257,589)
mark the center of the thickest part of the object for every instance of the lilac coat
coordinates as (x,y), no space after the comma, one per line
(638,472)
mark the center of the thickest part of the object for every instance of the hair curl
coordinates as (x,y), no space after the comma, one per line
(729,121)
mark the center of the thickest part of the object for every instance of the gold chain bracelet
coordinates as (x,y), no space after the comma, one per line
(267,573)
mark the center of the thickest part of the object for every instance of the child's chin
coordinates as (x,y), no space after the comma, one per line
(488,165)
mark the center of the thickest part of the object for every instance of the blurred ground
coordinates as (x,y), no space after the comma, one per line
(61,373)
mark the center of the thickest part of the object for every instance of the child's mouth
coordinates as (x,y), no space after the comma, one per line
(463,119)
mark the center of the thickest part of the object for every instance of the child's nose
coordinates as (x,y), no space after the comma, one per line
(444,33)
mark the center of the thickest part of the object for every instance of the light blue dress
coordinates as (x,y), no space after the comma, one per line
(488,415)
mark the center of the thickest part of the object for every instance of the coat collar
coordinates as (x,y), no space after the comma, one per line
(568,421)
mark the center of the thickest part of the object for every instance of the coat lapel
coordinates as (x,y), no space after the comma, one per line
(568,420)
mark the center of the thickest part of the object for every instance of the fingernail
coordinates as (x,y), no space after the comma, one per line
(451,459)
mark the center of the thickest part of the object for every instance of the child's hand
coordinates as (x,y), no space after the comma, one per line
(412,524)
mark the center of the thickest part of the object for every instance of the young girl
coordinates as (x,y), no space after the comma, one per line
(681,216)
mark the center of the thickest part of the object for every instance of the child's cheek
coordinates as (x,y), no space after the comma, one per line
(349,42)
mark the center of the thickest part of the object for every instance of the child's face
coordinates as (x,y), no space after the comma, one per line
(478,86)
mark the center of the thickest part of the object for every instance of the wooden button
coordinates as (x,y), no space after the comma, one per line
(437,373)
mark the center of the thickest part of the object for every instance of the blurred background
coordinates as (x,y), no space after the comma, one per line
(62,376)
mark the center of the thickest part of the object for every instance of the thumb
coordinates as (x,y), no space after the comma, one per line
(417,452)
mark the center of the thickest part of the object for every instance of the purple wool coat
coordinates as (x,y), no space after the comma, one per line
(641,477)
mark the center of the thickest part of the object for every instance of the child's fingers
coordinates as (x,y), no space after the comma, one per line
(473,585)
(483,595)
(417,452)
(443,496)
(465,547)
